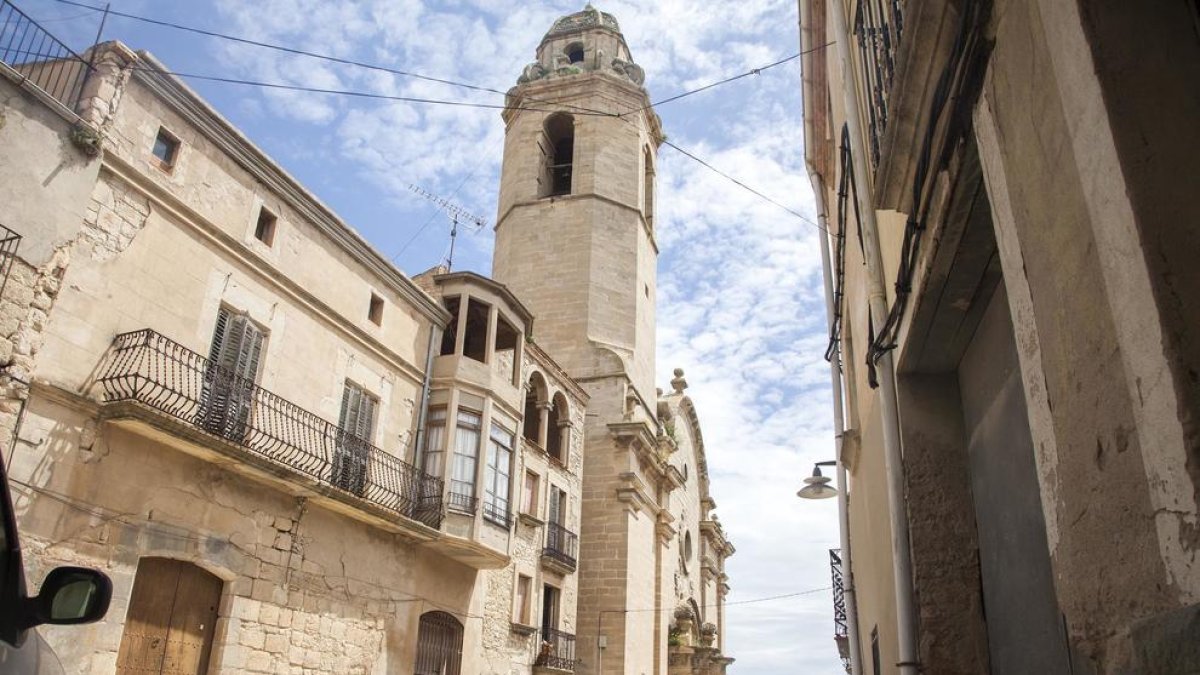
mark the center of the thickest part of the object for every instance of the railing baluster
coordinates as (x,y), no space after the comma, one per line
(44,60)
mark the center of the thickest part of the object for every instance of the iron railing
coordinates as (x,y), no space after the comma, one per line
(497,514)
(839,606)
(878,26)
(40,57)
(9,243)
(148,368)
(460,498)
(557,651)
(561,544)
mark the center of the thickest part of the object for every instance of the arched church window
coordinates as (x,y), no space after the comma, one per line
(574,52)
(558,152)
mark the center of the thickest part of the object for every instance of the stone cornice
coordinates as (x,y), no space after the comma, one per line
(639,438)
(229,141)
(633,492)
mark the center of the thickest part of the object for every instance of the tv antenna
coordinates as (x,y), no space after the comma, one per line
(455,212)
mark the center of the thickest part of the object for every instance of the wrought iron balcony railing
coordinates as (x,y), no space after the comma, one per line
(839,606)
(497,513)
(878,26)
(461,498)
(561,544)
(37,55)
(9,243)
(157,372)
(557,650)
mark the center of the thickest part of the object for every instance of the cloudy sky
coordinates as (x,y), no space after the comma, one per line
(740,299)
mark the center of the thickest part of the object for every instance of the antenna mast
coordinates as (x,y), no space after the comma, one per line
(455,213)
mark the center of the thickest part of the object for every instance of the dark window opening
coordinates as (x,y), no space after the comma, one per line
(506,349)
(264,230)
(476,330)
(557,429)
(549,608)
(575,53)
(166,147)
(648,188)
(559,155)
(534,396)
(875,651)
(375,310)
(450,333)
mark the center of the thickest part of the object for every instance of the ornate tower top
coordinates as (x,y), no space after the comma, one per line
(586,41)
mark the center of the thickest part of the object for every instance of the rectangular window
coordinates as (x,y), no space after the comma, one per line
(475,334)
(356,424)
(466,456)
(435,442)
(375,310)
(496,476)
(524,589)
(450,333)
(166,149)
(227,393)
(529,495)
(264,229)
(549,609)
(558,506)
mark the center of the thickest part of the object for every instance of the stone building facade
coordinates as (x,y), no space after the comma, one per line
(1006,188)
(289,456)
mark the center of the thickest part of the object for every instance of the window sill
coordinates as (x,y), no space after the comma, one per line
(522,629)
(531,520)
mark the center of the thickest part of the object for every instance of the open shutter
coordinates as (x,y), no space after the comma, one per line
(555,511)
(353,452)
(228,388)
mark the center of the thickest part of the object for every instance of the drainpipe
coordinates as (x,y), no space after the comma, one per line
(906,624)
(835,367)
(419,450)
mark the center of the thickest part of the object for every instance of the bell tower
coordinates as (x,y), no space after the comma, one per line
(575,242)
(575,228)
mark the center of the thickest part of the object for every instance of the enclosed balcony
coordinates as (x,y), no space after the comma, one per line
(163,390)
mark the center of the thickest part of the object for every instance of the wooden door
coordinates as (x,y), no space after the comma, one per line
(171,620)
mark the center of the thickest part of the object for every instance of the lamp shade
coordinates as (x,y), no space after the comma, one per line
(818,487)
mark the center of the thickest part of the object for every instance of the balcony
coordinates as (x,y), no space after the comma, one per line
(561,547)
(461,499)
(557,653)
(155,385)
(39,58)
(497,514)
(839,607)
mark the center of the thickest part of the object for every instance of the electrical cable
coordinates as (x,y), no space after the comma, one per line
(315,55)
(752,71)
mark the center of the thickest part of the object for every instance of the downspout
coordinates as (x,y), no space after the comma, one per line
(418,451)
(835,363)
(906,624)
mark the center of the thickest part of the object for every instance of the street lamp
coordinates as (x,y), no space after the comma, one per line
(818,486)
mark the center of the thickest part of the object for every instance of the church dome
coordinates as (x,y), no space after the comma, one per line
(590,17)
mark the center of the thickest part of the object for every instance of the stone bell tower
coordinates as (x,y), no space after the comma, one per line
(575,242)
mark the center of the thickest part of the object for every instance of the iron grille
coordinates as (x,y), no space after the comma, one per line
(839,607)
(497,513)
(439,645)
(9,243)
(148,368)
(878,26)
(557,651)
(460,498)
(39,57)
(561,544)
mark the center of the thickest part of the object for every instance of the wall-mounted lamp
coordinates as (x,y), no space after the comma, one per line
(818,486)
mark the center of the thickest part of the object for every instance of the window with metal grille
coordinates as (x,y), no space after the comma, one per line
(466,456)
(439,645)
(355,427)
(227,393)
(496,476)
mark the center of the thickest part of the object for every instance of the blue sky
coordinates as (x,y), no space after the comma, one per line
(740,300)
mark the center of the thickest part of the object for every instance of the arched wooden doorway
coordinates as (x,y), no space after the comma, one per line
(171,620)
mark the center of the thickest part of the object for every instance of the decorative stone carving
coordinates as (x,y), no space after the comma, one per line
(679,383)
(590,17)
(629,70)
(532,72)
(708,634)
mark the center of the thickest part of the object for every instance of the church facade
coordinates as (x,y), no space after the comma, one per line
(289,456)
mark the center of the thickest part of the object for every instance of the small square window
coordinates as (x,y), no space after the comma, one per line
(166,149)
(375,312)
(264,230)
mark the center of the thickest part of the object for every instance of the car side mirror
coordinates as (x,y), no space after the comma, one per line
(72,595)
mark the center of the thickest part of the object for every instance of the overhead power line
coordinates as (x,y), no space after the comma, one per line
(748,73)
